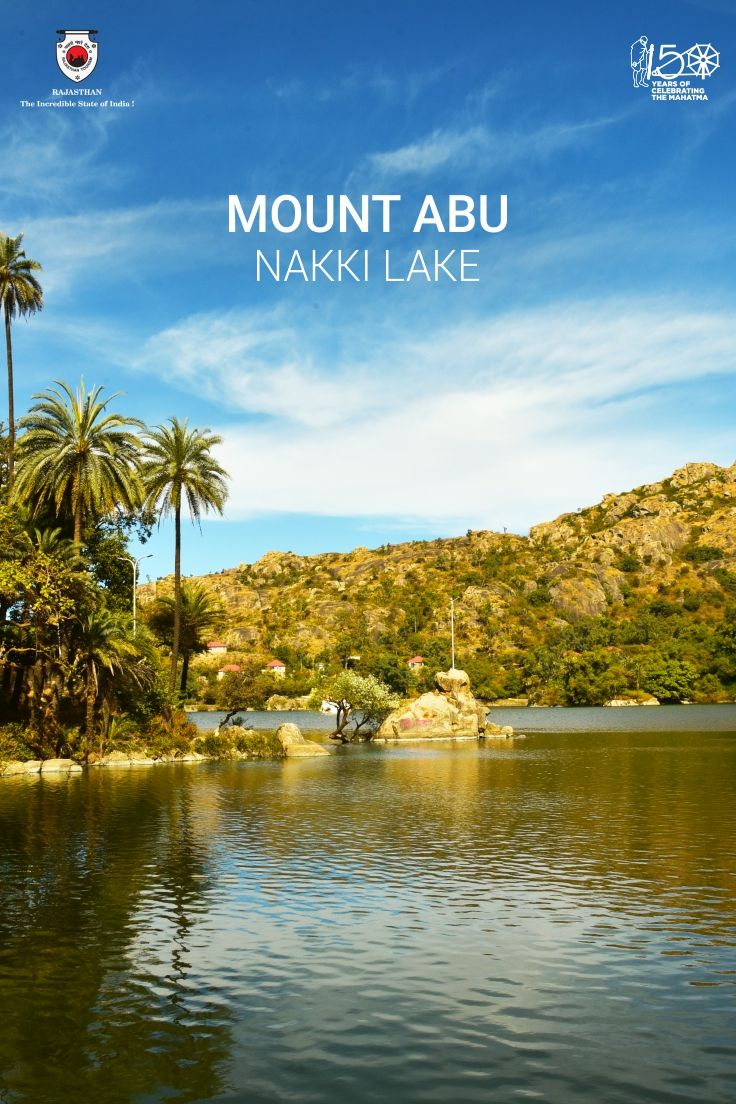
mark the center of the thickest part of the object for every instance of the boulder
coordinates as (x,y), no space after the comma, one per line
(451,712)
(452,681)
(60,766)
(498,730)
(115,759)
(17,766)
(647,700)
(295,745)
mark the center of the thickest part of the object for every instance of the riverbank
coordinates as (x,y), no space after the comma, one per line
(235,744)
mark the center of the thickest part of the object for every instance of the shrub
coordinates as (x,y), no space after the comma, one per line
(259,744)
(214,745)
(13,743)
(702,553)
(169,732)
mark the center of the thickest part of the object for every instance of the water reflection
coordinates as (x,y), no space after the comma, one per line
(103,881)
(551,918)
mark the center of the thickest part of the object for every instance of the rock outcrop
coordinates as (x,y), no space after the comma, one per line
(450,712)
(295,745)
(643,699)
(60,766)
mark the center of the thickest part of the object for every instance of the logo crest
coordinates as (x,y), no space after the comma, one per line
(670,72)
(76,54)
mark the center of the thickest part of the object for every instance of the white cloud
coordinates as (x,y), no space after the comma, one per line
(486,422)
(257,363)
(137,241)
(432,151)
(53,153)
(462,145)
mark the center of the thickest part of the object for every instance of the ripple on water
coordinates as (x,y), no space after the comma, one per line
(425,925)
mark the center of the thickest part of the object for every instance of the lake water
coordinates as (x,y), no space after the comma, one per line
(550,918)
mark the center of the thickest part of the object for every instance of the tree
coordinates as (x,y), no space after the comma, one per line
(201,611)
(20,294)
(77,457)
(179,467)
(106,645)
(668,679)
(361,701)
(247,688)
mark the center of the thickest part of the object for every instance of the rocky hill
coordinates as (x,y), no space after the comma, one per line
(646,577)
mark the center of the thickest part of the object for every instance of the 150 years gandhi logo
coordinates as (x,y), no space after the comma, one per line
(76,54)
(670,72)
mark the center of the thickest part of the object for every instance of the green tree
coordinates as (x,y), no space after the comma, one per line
(20,294)
(180,468)
(107,647)
(361,701)
(77,457)
(247,688)
(201,611)
(668,679)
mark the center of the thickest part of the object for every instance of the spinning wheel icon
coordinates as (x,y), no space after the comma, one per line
(702,60)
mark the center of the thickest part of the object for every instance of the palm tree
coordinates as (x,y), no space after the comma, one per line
(20,293)
(179,468)
(77,457)
(106,644)
(201,612)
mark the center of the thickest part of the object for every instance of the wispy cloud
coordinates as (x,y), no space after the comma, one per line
(136,242)
(487,422)
(257,363)
(458,146)
(50,154)
(361,81)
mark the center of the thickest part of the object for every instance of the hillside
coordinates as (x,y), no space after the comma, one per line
(634,594)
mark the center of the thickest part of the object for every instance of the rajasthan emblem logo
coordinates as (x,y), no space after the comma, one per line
(76,54)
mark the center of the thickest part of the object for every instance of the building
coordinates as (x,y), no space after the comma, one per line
(216,647)
(275,667)
(416,663)
(234,667)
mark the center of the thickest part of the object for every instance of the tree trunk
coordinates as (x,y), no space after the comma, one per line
(342,717)
(184,673)
(78,523)
(89,724)
(11,400)
(177,596)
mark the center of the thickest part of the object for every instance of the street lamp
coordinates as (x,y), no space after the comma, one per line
(135,563)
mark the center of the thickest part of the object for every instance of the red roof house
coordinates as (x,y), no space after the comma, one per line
(234,667)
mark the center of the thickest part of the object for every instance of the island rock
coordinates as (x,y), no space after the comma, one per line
(450,712)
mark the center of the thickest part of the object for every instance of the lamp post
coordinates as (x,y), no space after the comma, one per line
(135,563)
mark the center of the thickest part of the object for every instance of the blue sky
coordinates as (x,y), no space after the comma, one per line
(595,353)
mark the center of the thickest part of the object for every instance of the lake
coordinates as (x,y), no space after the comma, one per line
(550,918)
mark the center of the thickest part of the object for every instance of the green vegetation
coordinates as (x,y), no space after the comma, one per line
(236,742)
(179,468)
(76,678)
(20,294)
(361,702)
(634,597)
(200,613)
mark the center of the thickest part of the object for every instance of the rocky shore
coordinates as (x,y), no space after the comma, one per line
(238,744)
